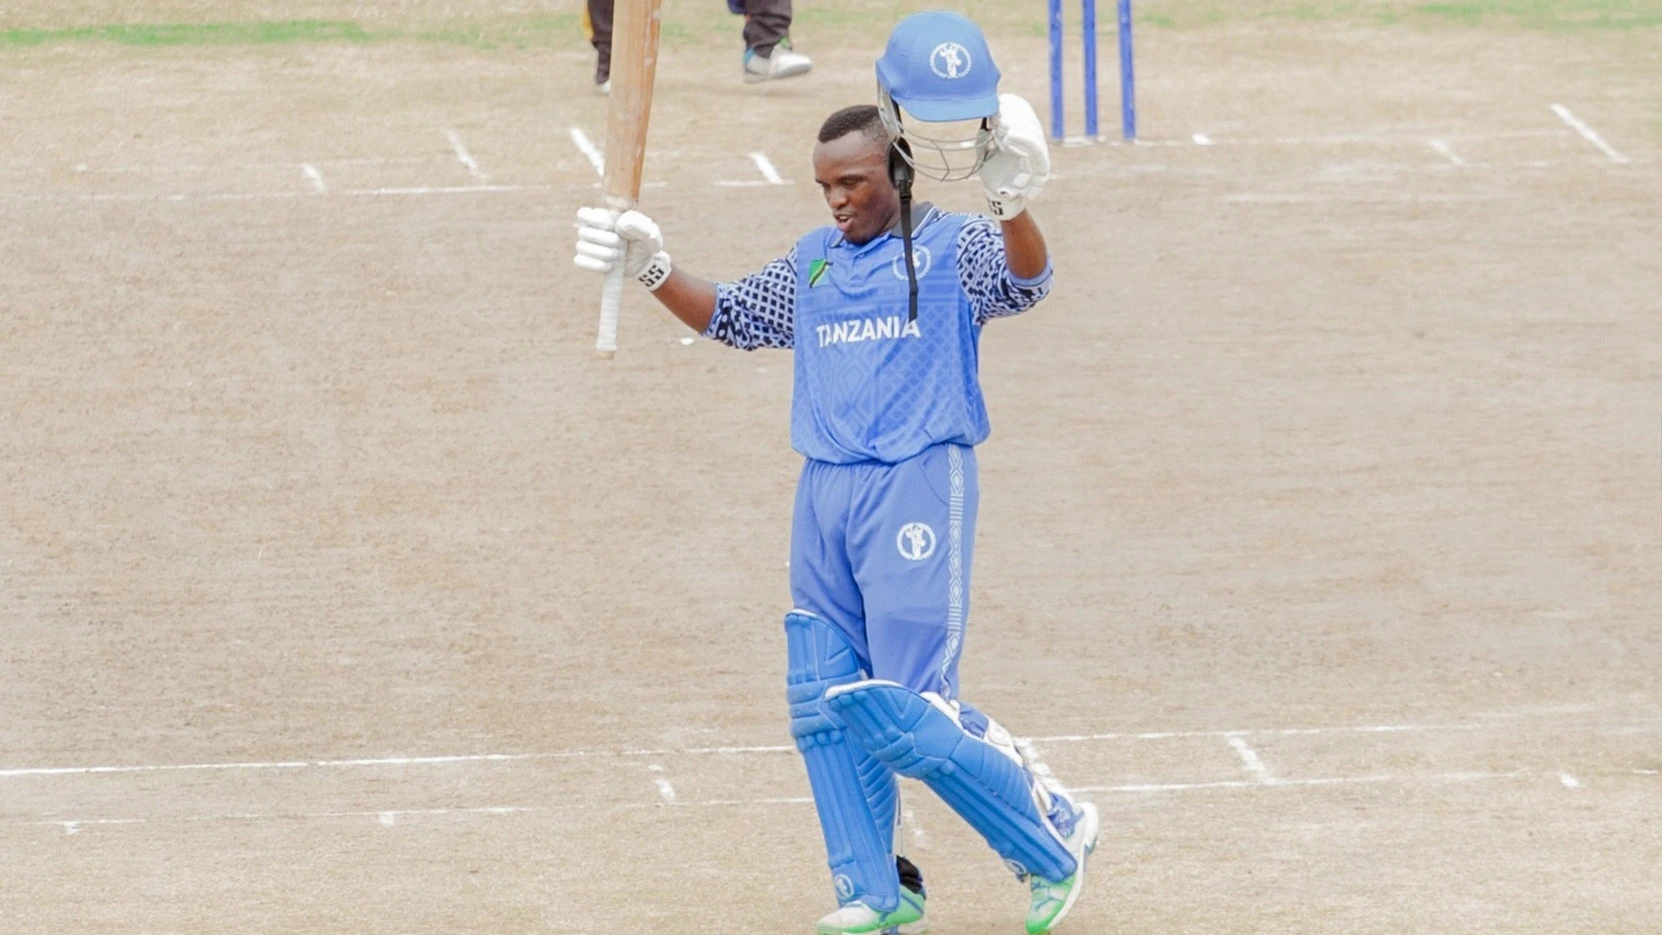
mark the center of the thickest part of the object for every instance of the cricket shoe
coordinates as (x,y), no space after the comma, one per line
(782,62)
(857,918)
(1053,898)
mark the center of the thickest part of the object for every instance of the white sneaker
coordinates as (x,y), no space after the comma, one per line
(1052,899)
(604,88)
(783,62)
(860,919)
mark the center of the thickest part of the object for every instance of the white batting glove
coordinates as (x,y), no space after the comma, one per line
(606,239)
(1019,165)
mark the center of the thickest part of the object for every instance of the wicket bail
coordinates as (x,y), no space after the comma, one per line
(1128,93)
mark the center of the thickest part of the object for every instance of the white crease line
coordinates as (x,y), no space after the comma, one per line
(587,147)
(665,790)
(745,183)
(1587,133)
(765,749)
(1270,198)
(726,803)
(315,176)
(376,161)
(464,157)
(765,166)
(1569,782)
(390,817)
(447,190)
(919,839)
(1298,783)
(1249,757)
(1447,151)
(262,196)
(1329,140)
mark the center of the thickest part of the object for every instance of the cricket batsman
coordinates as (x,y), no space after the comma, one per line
(884,310)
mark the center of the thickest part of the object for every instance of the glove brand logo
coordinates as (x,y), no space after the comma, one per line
(920,259)
(915,542)
(950,60)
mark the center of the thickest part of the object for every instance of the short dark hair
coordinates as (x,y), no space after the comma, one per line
(861,118)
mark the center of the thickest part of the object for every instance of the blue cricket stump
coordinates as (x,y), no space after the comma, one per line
(1128,86)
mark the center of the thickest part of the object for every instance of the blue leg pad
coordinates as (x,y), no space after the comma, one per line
(856,796)
(992,791)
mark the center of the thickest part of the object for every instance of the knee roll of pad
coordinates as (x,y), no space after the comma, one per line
(856,796)
(986,787)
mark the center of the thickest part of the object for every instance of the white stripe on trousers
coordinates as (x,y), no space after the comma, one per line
(954,557)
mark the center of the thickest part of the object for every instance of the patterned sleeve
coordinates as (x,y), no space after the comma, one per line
(758,310)
(994,291)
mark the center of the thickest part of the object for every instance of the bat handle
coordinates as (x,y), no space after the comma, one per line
(611,296)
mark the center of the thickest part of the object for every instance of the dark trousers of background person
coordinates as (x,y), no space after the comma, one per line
(600,36)
(765,23)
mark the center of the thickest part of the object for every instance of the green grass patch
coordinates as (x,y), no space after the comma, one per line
(1548,14)
(700,21)
(173,34)
(1551,15)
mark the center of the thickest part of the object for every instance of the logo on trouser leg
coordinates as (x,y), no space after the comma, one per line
(845,887)
(915,542)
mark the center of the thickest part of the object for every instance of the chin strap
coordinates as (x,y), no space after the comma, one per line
(900,172)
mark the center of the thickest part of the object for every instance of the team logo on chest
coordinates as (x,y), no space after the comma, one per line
(921,258)
(950,60)
(915,542)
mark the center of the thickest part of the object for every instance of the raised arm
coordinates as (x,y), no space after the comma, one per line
(1013,175)
(988,269)
(756,311)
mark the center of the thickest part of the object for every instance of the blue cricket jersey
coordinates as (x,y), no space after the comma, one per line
(870,385)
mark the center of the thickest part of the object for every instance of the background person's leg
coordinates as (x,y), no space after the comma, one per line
(766,22)
(599,23)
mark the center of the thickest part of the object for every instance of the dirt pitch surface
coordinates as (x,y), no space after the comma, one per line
(345,592)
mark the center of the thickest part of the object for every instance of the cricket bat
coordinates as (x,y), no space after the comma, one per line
(634,63)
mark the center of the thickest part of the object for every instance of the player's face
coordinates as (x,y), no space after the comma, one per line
(853,172)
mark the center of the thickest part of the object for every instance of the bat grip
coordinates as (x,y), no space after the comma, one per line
(611,296)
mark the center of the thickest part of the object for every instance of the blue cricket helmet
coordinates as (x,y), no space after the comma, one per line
(937,69)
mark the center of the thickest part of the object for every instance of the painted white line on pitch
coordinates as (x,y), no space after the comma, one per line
(765,166)
(1249,757)
(1447,151)
(464,157)
(390,817)
(665,790)
(373,161)
(1302,783)
(919,839)
(1587,133)
(1570,782)
(767,749)
(74,827)
(742,183)
(587,147)
(447,190)
(315,176)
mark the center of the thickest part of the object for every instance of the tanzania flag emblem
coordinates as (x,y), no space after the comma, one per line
(816,272)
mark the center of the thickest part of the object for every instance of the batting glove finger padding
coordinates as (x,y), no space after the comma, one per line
(606,238)
(1019,165)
